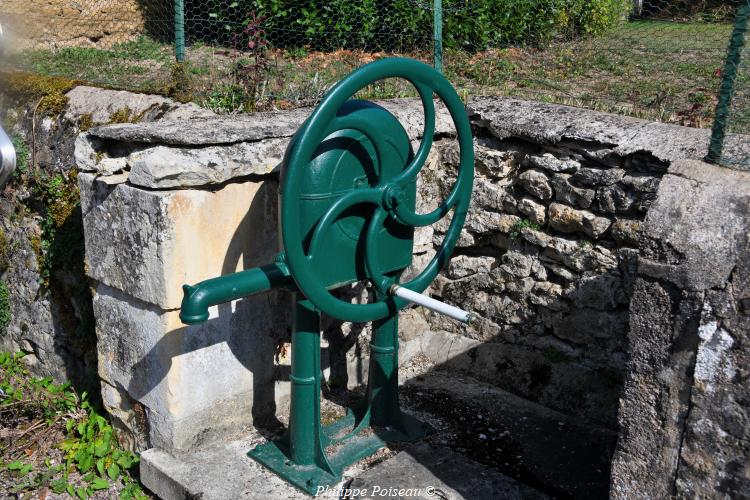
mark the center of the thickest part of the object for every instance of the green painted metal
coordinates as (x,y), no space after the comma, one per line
(437,28)
(348,196)
(197,299)
(179,30)
(726,92)
(385,197)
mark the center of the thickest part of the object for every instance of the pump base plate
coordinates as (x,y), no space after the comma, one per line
(341,452)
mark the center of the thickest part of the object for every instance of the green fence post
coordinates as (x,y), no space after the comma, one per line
(437,30)
(179,30)
(732,64)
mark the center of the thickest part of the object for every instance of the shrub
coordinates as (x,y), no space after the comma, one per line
(403,24)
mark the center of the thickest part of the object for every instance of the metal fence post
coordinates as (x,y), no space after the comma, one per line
(734,54)
(179,30)
(437,28)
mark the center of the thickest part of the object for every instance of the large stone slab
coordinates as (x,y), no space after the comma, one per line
(163,167)
(149,243)
(219,472)
(205,151)
(692,241)
(224,471)
(544,123)
(425,472)
(100,104)
(256,126)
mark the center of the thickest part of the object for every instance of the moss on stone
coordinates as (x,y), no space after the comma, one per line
(4,250)
(35,240)
(48,91)
(126,115)
(85,122)
(65,199)
(179,85)
(122,115)
(5,314)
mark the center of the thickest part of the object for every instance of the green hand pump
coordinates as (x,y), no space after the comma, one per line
(348,196)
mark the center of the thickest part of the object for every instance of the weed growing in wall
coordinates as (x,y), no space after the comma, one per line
(515,230)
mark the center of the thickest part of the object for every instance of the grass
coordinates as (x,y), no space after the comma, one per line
(53,440)
(652,69)
(656,70)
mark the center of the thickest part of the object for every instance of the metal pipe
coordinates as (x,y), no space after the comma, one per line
(179,30)
(437,28)
(7,157)
(198,298)
(432,304)
(726,92)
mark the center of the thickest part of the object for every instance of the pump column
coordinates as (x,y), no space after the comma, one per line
(304,417)
(383,374)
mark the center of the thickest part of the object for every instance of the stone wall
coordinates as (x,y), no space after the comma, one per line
(548,255)
(685,410)
(41,263)
(71,23)
(547,258)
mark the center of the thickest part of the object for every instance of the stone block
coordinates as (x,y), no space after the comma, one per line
(489,195)
(517,264)
(536,237)
(598,176)
(616,199)
(684,413)
(162,167)
(552,164)
(101,104)
(569,220)
(536,212)
(149,243)
(536,183)
(497,164)
(572,195)
(212,129)
(196,382)
(463,265)
(626,231)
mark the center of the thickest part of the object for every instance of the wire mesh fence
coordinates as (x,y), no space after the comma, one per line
(656,59)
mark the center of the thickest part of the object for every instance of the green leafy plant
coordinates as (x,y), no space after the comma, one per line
(91,458)
(515,230)
(405,24)
(22,156)
(249,70)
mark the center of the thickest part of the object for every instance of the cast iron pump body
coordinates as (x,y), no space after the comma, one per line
(348,195)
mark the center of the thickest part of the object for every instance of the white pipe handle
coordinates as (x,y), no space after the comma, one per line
(432,304)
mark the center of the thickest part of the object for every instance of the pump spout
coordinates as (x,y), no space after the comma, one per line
(198,298)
